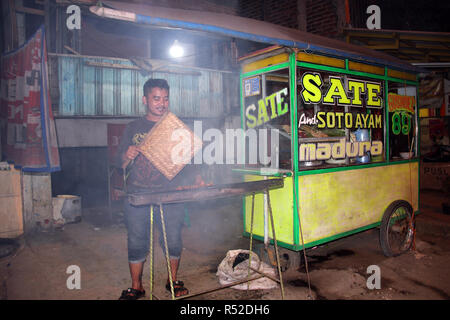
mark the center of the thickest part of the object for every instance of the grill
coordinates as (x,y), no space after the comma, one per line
(204,193)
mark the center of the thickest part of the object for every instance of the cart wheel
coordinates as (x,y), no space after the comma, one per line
(397,229)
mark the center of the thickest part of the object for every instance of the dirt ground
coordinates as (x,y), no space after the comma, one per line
(37,268)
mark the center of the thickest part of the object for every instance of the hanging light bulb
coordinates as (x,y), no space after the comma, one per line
(176,51)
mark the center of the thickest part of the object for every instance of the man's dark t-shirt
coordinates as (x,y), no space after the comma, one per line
(142,174)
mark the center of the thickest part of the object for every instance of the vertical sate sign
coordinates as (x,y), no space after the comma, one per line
(29,137)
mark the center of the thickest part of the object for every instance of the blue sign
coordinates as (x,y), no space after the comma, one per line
(252,86)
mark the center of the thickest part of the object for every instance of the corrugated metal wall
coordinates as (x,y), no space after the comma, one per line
(86,90)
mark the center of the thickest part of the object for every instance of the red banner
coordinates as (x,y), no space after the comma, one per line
(25,104)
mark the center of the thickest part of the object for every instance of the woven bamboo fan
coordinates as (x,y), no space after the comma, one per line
(170,145)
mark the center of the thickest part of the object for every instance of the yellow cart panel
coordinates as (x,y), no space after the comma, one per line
(337,202)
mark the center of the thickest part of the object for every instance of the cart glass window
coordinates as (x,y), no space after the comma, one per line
(402,121)
(340,119)
(267,117)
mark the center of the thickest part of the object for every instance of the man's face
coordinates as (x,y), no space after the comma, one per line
(157,102)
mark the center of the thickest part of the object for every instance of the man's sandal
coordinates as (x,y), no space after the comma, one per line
(132,294)
(178,288)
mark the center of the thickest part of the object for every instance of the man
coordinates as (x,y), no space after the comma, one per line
(143,176)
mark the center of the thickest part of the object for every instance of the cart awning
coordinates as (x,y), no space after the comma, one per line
(245,28)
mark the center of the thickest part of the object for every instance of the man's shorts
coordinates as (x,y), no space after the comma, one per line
(137,221)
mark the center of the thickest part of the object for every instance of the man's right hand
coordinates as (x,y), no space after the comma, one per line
(129,156)
(131,153)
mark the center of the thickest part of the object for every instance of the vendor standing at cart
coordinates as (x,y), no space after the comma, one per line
(143,176)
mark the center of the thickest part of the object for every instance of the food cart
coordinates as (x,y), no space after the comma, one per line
(346,146)
(338,122)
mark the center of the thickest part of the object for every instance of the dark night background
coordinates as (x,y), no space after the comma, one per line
(414,15)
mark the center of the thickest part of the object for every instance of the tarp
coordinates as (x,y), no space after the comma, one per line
(431,92)
(29,138)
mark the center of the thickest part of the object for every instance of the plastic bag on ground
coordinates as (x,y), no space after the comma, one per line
(229,272)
